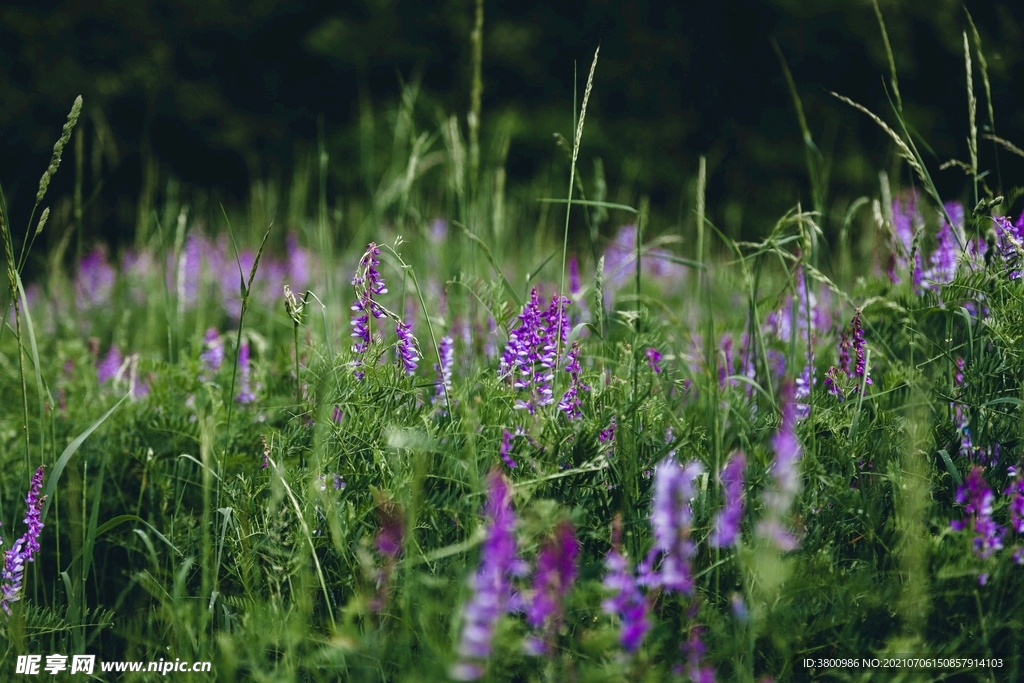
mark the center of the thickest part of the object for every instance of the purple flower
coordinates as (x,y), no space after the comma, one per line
(608,433)
(95,281)
(976,497)
(110,365)
(408,354)
(298,263)
(392,529)
(626,601)
(492,591)
(506,448)
(943,259)
(446,354)
(574,275)
(212,355)
(1009,246)
(727,523)
(438,230)
(620,261)
(695,652)
(24,549)
(529,358)
(552,579)
(672,521)
(653,358)
(906,221)
(367,283)
(337,415)
(778,499)
(245,393)
(570,403)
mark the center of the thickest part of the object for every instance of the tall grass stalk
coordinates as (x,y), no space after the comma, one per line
(577,138)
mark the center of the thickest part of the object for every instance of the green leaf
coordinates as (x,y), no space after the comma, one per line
(62,461)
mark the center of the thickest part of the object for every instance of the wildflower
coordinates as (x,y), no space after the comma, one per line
(213,353)
(552,579)
(859,348)
(695,652)
(976,497)
(245,393)
(439,230)
(725,360)
(671,521)
(94,283)
(446,354)
(266,453)
(111,364)
(367,282)
(574,275)
(1009,246)
(627,602)
(727,524)
(805,338)
(943,259)
(506,448)
(608,433)
(408,354)
(492,591)
(25,548)
(653,358)
(906,221)
(620,261)
(392,529)
(298,262)
(337,415)
(529,359)
(570,403)
(778,499)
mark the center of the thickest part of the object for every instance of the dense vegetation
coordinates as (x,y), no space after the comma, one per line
(444,449)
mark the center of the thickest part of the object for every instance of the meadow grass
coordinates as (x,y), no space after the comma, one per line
(302,458)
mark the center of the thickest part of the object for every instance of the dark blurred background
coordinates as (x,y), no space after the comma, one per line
(219,95)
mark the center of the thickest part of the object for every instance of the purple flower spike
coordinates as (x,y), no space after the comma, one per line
(779,498)
(554,576)
(727,524)
(574,275)
(627,602)
(245,393)
(653,358)
(1016,493)
(24,549)
(110,365)
(570,403)
(696,650)
(529,361)
(408,354)
(672,521)
(446,353)
(95,282)
(976,497)
(492,591)
(506,448)
(367,282)
(213,354)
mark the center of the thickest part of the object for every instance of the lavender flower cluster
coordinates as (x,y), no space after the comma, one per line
(530,357)
(25,548)
(978,500)
(369,284)
(492,594)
